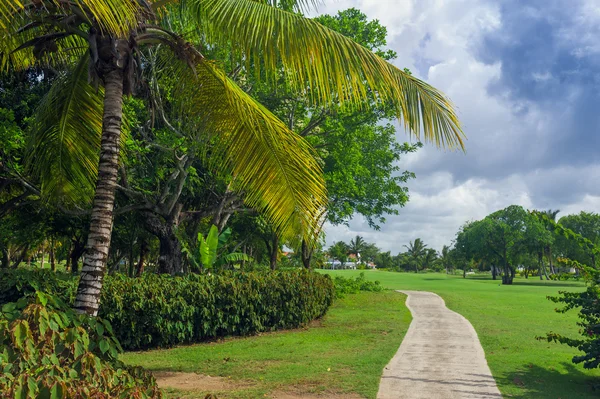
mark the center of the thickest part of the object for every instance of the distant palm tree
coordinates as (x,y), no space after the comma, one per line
(444,257)
(416,250)
(429,258)
(551,214)
(357,245)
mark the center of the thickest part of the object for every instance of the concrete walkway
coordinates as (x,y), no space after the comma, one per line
(440,356)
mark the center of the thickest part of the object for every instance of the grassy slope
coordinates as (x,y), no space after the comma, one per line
(507,319)
(354,342)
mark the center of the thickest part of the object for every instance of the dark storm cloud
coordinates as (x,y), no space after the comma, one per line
(549,60)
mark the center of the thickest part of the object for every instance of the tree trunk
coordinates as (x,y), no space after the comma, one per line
(540,262)
(143,252)
(21,256)
(494,272)
(169,259)
(170,256)
(306,254)
(43,256)
(52,258)
(130,262)
(550,260)
(274,251)
(77,250)
(5,258)
(101,222)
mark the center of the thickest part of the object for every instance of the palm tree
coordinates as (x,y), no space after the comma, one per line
(551,214)
(444,257)
(102,40)
(356,246)
(429,258)
(416,250)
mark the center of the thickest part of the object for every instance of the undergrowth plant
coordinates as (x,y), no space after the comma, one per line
(345,285)
(48,351)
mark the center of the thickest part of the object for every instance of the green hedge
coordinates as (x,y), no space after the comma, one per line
(161,311)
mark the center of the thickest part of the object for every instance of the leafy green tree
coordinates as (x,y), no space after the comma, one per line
(339,251)
(587,225)
(384,260)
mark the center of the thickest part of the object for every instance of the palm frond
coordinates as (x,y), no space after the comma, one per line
(114,17)
(328,66)
(275,169)
(65,140)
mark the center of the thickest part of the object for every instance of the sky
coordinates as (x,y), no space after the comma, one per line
(524,76)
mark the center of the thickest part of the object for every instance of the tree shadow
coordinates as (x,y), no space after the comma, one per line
(538,283)
(537,382)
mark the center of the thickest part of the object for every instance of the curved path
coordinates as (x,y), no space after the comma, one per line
(439,358)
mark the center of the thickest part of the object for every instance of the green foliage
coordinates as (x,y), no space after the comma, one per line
(17,283)
(345,285)
(160,310)
(208,252)
(51,352)
(588,302)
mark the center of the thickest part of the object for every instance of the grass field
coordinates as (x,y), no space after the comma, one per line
(507,319)
(345,352)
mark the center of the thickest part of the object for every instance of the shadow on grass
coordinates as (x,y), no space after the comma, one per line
(539,283)
(536,382)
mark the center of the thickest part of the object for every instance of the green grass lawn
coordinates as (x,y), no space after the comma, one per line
(507,319)
(345,352)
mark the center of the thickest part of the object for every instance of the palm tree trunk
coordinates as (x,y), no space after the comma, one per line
(274,252)
(101,223)
(306,253)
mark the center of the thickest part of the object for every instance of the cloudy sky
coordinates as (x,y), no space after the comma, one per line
(525,78)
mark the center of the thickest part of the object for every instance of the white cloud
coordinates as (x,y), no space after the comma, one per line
(509,141)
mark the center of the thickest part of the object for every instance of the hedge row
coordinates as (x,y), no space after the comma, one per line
(161,311)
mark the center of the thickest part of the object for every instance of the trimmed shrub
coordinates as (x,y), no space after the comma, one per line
(345,285)
(161,311)
(51,352)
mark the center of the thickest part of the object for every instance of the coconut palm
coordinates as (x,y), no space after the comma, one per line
(356,246)
(101,41)
(444,257)
(551,214)
(416,250)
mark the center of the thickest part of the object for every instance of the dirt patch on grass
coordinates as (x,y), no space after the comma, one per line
(196,382)
(220,385)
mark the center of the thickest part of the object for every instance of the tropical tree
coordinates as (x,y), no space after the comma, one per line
(429,258)
(356,246)
(416,250)
(586,224)
(102,41)
(445,258)
(551,214)
(339,251)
